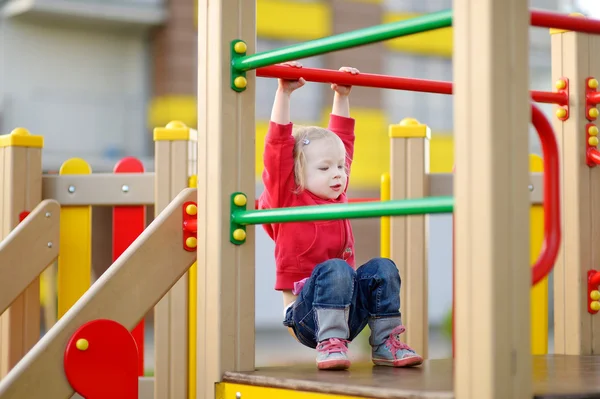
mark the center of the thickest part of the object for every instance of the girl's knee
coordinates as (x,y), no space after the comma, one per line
(383,267)
(336,272)
(335,266)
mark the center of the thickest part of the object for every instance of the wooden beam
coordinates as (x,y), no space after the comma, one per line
(225,297)
(107,189)
(492,270)
(28,250)
(442,184)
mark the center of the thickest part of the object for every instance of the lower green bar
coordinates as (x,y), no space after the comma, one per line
(417,206)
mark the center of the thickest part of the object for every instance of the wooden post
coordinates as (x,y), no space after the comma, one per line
(493,276)
(409,166)
(576,56)
(225,165)
(21,180)
(171,313)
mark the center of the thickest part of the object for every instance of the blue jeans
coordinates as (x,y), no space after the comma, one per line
(338,301)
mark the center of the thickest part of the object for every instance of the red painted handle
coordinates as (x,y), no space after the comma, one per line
(384,81)
(552,232)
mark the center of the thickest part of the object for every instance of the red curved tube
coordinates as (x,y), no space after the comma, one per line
(593,155)
(383,81)
(552,231)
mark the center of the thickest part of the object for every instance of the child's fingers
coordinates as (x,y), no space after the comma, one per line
(351,70)
(294,64)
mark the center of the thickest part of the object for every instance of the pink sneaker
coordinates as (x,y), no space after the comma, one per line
(332,354)
(394,352)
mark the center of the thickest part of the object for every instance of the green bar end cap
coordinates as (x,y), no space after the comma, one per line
(238,78)
(237,232)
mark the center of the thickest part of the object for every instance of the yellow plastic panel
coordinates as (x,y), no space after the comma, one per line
(436,42)
(225,390)
(539,293)
(293,20)
(75,253)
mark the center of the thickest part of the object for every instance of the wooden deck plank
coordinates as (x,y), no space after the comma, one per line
(554,377)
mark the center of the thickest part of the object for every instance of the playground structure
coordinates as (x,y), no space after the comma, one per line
(493,283)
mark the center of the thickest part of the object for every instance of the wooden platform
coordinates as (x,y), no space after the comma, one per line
(555,376)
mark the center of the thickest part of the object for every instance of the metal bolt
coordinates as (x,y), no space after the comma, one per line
(71,189)
(49,245)
(125,188)
(48,214)
(238,395)
(531,187)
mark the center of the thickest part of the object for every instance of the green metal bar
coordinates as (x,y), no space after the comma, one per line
(345,40)
(418,206)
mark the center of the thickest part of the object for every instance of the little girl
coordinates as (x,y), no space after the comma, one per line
(327,302)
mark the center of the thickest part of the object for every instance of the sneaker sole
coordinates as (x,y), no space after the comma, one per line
(337,364)
(404,362)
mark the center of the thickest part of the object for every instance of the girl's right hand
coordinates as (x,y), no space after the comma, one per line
(288,86)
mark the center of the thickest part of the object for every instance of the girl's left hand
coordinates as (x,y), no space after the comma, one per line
(344,90)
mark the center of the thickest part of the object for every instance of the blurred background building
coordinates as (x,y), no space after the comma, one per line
(95,76)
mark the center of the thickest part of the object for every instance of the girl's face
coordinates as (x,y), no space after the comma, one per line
(325,172)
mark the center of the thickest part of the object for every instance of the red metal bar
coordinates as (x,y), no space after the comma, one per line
(593,97)
(560,98)
(593,155)
(362,79)
(552,231)
(382,81)
(546,19)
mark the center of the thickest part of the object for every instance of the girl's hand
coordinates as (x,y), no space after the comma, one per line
(288,86)
(344,90)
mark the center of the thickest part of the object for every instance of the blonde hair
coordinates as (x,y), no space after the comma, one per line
(303,135)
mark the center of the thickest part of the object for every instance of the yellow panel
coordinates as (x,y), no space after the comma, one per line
(75,252)
(435,42)
(539,293)
(291,20)
(225,390)
(441,153)
(287,19)
(385,229)
(165,109)
(20,137)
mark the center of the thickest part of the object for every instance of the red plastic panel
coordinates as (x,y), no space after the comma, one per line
(101,361)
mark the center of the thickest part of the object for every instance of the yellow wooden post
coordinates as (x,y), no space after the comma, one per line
(385,220)
(75,253)
(539,292)
(21,191)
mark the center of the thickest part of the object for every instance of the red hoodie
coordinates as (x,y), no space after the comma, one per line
(300,246)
